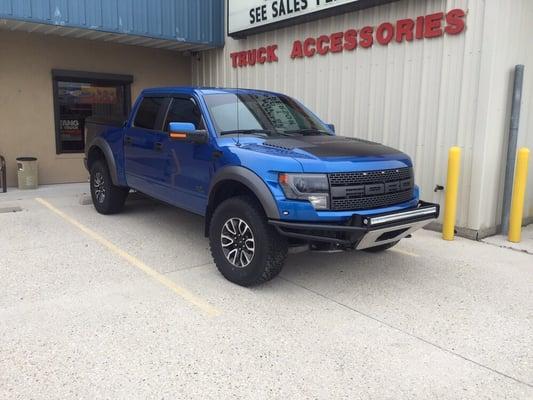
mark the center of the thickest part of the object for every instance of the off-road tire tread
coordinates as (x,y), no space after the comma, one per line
(276,245)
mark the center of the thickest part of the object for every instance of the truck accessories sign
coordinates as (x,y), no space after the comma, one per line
(251,15)
(423,27)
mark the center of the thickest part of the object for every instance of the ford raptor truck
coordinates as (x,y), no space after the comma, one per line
(264,171)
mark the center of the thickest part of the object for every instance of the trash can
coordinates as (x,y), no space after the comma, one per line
(27,172)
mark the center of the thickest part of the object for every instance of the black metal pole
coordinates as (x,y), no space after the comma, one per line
(511,146)
(3,169)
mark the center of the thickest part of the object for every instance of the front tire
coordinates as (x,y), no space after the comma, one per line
(246,249)
(107,198)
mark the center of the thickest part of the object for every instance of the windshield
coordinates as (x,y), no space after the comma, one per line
(262,114)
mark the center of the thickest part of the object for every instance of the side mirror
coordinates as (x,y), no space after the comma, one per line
(187,132)
(332,127)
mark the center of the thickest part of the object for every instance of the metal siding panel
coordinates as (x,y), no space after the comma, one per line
(190,21)
(125,16)
(59,12)
(153,16)
(168,22)
(93,14)
(110,15)
(511,49)
(6,7)
(140,17)
(41,9)
(526,124)
(205,17)
(182,20)
(21,8)
(76,12)
(419,96)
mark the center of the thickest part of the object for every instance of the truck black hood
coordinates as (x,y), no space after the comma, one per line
(332,146)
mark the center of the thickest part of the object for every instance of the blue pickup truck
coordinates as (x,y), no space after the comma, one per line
(265,172)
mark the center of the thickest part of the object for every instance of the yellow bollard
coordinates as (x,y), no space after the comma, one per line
(452,187)
(519,193)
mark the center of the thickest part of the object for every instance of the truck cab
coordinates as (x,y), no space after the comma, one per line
(264,171)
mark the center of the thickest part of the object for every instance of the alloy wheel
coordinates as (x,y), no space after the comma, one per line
(99,187)
(238,243)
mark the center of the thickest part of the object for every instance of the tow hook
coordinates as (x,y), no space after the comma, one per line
(319,247)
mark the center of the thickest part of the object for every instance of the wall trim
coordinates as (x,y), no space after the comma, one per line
(474,234)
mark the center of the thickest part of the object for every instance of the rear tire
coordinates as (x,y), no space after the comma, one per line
(246,249)
(107,198)
(380,248)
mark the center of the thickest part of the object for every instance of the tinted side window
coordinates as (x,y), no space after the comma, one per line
(184,110)
(148,111)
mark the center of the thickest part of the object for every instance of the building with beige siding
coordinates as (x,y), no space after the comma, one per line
(418,75)
(61,63)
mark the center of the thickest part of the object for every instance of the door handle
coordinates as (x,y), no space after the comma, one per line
(158,146)
(128,140)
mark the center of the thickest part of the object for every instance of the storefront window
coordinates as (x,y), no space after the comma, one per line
(78,96)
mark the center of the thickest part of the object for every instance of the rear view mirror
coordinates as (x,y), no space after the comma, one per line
(332,127)
(181,127)
(188,132)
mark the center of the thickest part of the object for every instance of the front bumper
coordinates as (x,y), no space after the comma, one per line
(363,231)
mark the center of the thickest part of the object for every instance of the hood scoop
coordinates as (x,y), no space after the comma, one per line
(331,146)
(287,144)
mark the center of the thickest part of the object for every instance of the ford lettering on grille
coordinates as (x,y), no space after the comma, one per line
(362,190)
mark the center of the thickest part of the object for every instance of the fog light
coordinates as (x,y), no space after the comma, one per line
(319,201)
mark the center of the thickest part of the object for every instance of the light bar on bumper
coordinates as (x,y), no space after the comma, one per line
(362,231)
(407,215)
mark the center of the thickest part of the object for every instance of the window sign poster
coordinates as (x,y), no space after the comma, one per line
(88,94)
(71,129)
(98,95)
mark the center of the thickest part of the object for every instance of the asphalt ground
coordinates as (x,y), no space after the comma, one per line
(131,306)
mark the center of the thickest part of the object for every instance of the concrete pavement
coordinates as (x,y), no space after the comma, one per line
(428,320)
(525,245)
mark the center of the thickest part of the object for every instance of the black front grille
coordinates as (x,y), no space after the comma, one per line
(358,178)
(363,203)
(371,189)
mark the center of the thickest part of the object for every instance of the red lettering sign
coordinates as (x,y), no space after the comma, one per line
(403,30)
(433,25)
(251,57)
(385,33)
(367,38)
(455,22)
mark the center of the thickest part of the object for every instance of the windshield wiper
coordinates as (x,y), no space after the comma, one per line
(247,132)
(308,131)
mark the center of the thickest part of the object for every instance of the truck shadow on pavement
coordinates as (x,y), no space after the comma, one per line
(174,224)
(357,266)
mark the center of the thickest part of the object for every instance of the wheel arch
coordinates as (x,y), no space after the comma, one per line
(100,149)
(233,181)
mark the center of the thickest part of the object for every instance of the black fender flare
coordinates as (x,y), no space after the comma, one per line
(248,179)
(102,144)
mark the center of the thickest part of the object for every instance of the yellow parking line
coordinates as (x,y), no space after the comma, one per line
(180,291)
(407,253)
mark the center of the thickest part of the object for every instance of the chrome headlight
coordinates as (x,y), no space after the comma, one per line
(311,187)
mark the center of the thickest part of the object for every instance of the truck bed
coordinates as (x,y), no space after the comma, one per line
(94,126)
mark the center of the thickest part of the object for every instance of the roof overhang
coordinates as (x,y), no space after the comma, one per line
(102,35)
